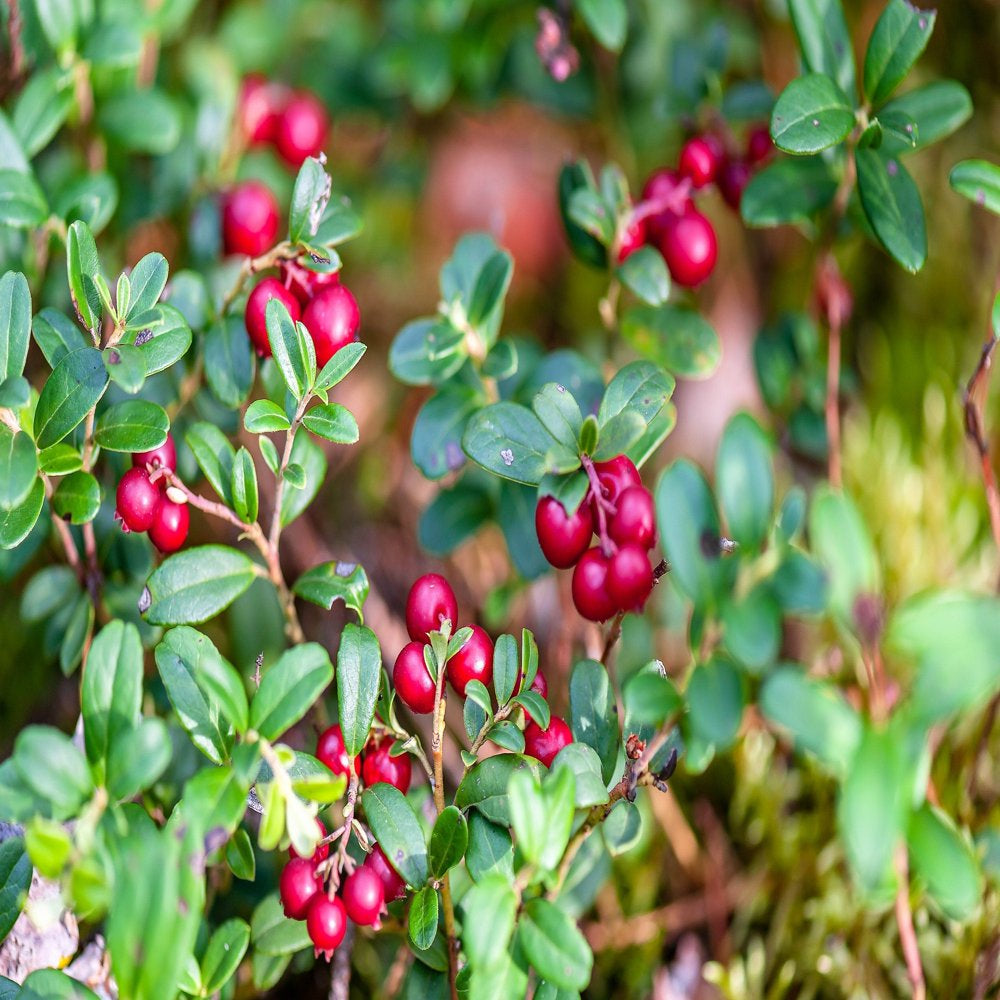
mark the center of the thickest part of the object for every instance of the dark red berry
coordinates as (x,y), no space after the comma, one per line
(364,896)
(326,921)
(412,681)
(260,106)
(378,765)
(662,189)
(732,180)
(164,457)
(255,316)
(333,320)
(615,476)
(330,750)
(759,145)
(429,602)
(631,239)
(136,500)
(298,887)
(563,537)
(590,586)
(630,577)
(392,884)
(169,529)
(473,661)
(544,744)
(302,129)
(303,283)
(322,851)
(690,248)
(700,160)
(250,219)
(634,519)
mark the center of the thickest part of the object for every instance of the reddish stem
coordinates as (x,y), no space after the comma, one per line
(601,505)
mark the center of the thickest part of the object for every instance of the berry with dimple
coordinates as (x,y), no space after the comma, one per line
(250,219)
(164,457)
(364,896)
(631,239)
(615,476)
(304,283)
(430,600)
(412,681)
(700,160)
(590,586)
(378,765)
(630,576)
(322,851)
(333,320)
(634,519)
(760,146)
(662,188)
(690,248)
(260,106)
(544,744)
(732,181)
(169,529)
(393,885)
(326,922)
(256,312)
(330,750)
(563,537)
(136,500)
(302,129)
(472,662)
(298,886)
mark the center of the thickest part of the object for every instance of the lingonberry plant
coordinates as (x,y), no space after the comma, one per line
(241,806)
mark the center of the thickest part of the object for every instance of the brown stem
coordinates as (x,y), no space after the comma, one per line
(976,389)
(345,837)
(833,405)
(65,537)
(907,933)
(281,251)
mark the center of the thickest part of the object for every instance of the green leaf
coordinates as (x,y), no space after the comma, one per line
(490,287)
(572,178)
(263,416)
(53,768)
(397,831)
(592,711)
(650,698)
(448,842)
(229,361)
(716,698)
(56,335)
(15,324)
(214,455)
(898,38)
(811,114)
(745,480)
(528,814)
(944,859)
(240,856)
(144,121)
(22,203)
(139,759)
(979,181)
(77,498)
(427,352)
(680,340)
(791,190)
(291,348)
(645,273)
(815,713)
(339,366)
(147,281)
(333,581)
(506,668)
(196,584)
(126,364)
(333,422)
(559,413)
(90,198)
(607,19)
(485,785)
(453,516)
(15,880)
(42,107)
(752,629)
(83,268)
(69,394)
(78,630)
(59,460)
(49,846)
(135,425)
(423,918)
(892,205)
(622,829)
(289,689)
(16,523)
(490,909)
(51,984)
(490,849)
(436,441)
(272,933)
(309,200)
(936,110)
(166,339)
(18,467)
(824,40)
(588,787)
(554,945)
(15,392)
(359,675)
(224,953)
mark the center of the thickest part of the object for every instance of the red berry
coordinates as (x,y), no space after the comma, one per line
(632,238)
(322,851)
(689,247)
(330,750)
(563,537)
(630,576)
(660,185)
(700,160)
(590,588)
(412,680)
(260,106)
(255,316)
(634,519)
(298,887)
(473,661)
(250,219)
(378,765)
(363,896)
(136,500)
(169,529)
(302,129)
(333,320)
(164,457)
(615,476)
(759,145)
(326,921)
(303,283)
(540,685)
(392,884)
(732,180)
(544,744)
(430,600)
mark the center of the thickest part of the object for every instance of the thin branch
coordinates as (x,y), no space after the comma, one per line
(907,933)
(972,401)
(340,971)
(279,252)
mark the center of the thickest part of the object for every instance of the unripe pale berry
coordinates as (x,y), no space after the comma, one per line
(700,160)
(563,537)
(392,883)
(472,662)
(333,320)
(330,750)
(164,457)
(255,316)
(250,219)
(590,586)
(378,765)
(326,921)
(298,886)
(544,744)
(169,529)
(630,577)
(634,519)
(430,600)
(364,896)
(690,248)
(136,500)
(412,681)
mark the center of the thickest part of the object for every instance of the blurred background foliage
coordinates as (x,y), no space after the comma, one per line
(444,120)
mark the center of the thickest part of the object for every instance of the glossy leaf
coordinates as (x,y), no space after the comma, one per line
(592,712)
(229,361)
(678,339)
(448,842)
(18,467)
(135,425)
(333,422)
(289,689)
(397,831)
(359,675)
(15,324)
(824,40)
(979,181)
(69,394)
(334,581)
(22,203)
(554,945)
(789,191)
(196,584)
(811,115)
(898,38)
(943,859)
(745,480)
(15,880)
(893,207)
(77,498)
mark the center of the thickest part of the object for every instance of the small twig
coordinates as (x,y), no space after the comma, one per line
(601,505)
(975,431)
(279,252)
(907,933)
(340,971)
(345,837)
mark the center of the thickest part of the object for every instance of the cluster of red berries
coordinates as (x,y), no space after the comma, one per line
(616,574)
(430,603)
(144,505)
(667,219)
(294,122)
